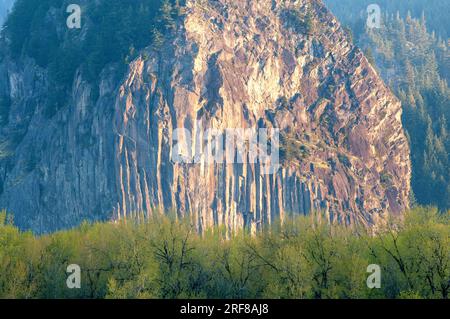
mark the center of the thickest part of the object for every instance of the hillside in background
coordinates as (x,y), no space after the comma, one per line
(350,12)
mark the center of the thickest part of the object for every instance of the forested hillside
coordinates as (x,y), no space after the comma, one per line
(113,31)
(415,62)
(350,12)
(304,258)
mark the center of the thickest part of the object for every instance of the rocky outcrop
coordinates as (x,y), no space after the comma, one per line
(230,64)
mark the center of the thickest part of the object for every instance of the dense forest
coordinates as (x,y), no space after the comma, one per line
(414,60)
(303,258)
(350,12)
(112,34)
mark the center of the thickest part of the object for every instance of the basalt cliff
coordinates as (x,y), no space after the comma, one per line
(227,64)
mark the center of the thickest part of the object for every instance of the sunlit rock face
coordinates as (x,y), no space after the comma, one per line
(228,65)
(5,6)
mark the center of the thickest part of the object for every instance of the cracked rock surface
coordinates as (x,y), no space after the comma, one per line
(228,64)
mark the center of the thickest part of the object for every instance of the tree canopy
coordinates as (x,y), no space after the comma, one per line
(304,257)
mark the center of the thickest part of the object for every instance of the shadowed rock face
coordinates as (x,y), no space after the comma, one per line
(229,64)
